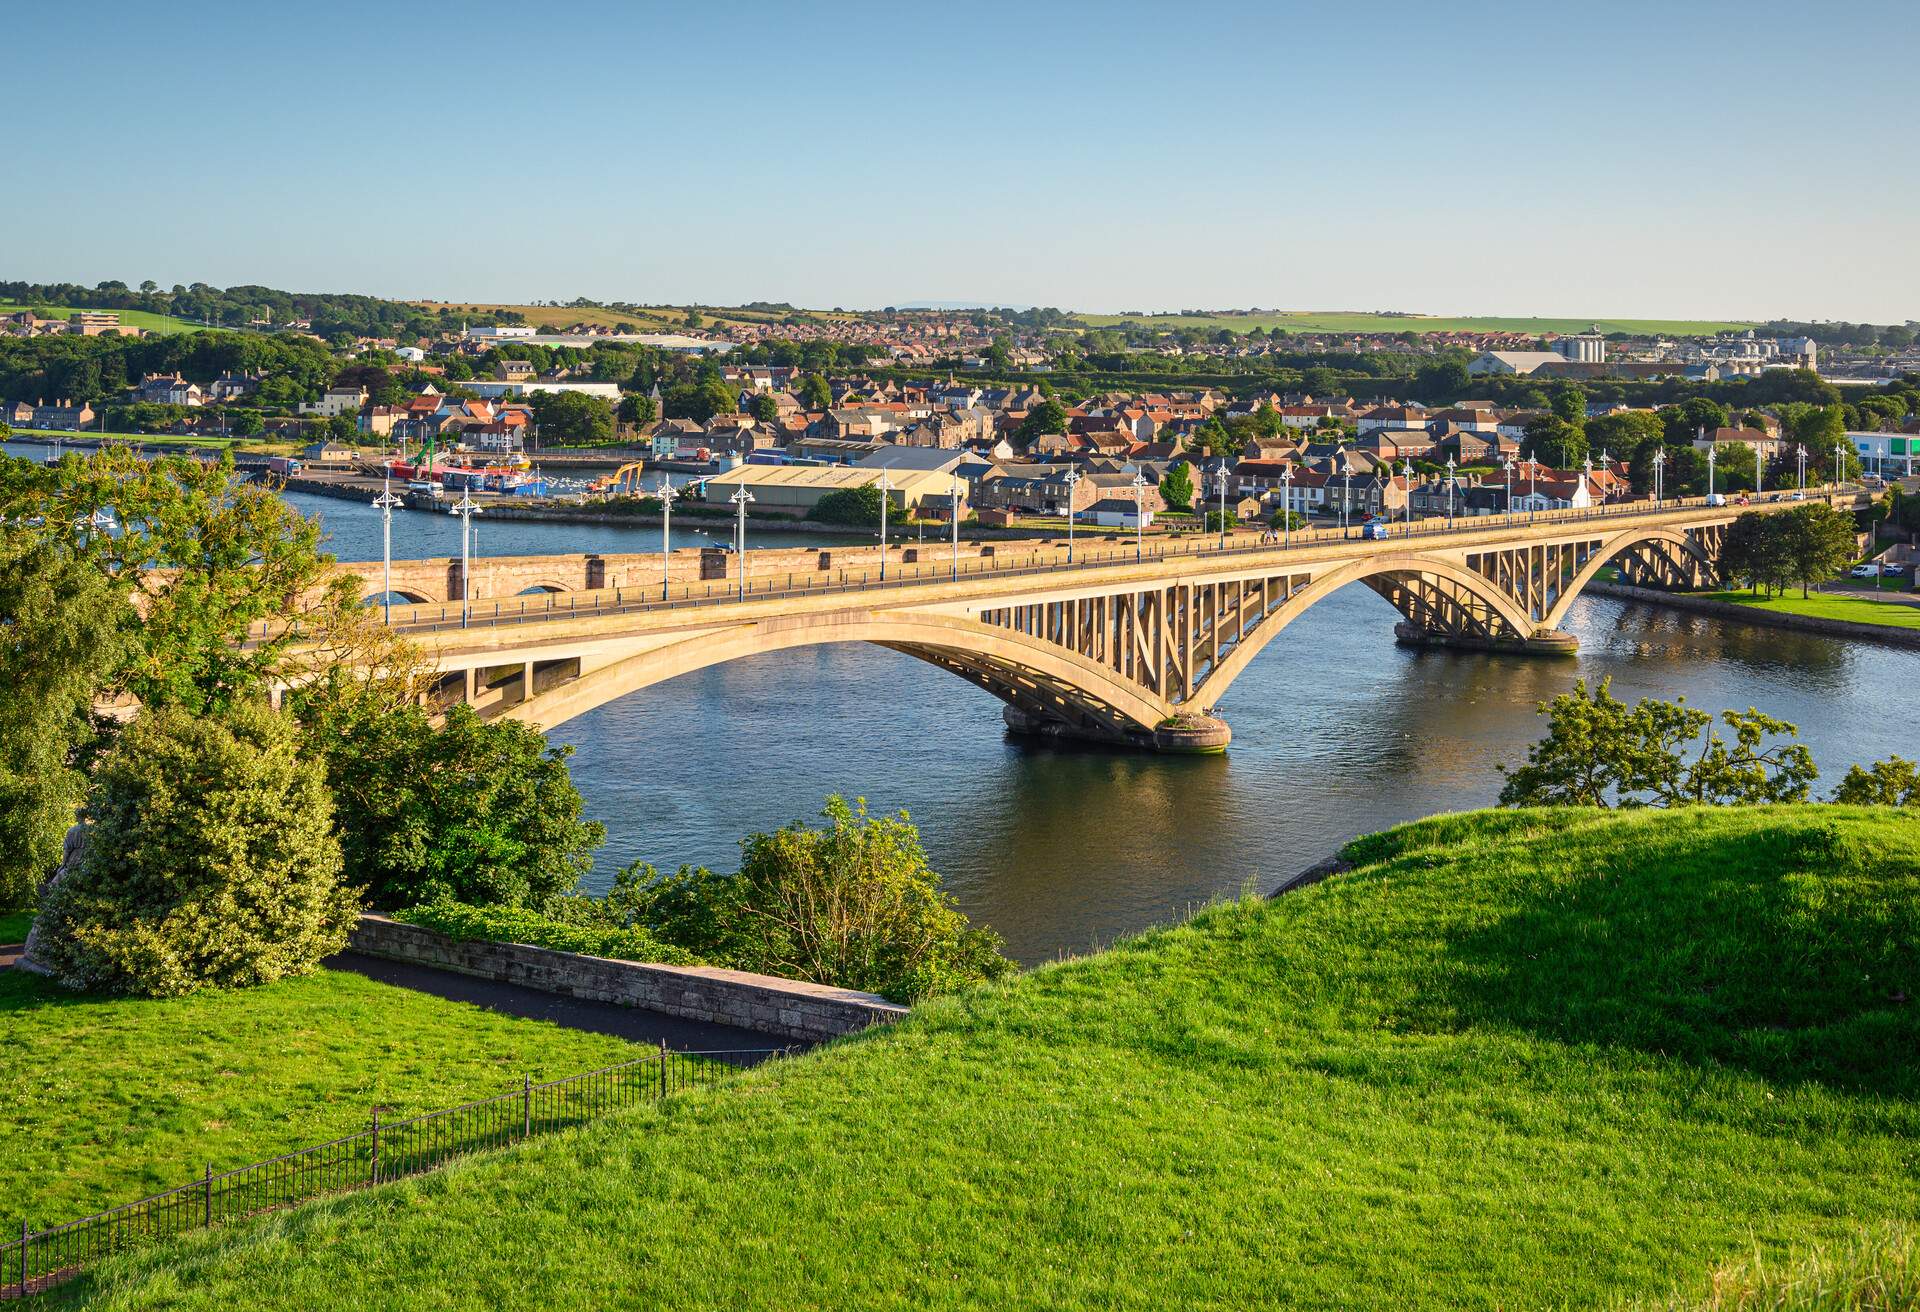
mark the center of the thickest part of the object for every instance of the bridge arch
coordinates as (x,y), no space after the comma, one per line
(1504,616)
(400,597)
(1685,553)
(542,588)
(1028,673)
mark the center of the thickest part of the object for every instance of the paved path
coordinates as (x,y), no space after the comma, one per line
(575,1013)
(10,954)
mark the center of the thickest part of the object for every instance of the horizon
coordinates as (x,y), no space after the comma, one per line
(1597,165)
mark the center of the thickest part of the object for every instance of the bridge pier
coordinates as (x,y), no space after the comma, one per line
(1184,735)
(1545,642)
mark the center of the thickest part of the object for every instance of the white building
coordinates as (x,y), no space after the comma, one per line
(502,330)
(494,387)
(1589,347)
(1512,362)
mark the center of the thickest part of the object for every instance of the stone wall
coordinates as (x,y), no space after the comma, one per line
(785,1008)
(1772,619)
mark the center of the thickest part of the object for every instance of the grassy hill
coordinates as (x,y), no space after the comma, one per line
(1353,322)
(650,320)
(145,320)
(1511,1060)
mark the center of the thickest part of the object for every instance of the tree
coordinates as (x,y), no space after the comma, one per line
(1569,403)
(209,860)
(1213,435)
(856,506)
(1817,542)
(571,417)
(246,423)
(815,394)
(1684,421)
(1177,487)
(638,409)
(1893,782)
(476,811)
(1600,752)
(764,408)
(1755,549)
(1556,442)
(851,903)
(1624,434)
(1047,417)
(61,626)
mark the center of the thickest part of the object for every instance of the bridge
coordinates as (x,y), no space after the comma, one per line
(1120,644)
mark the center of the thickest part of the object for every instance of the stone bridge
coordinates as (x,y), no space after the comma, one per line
(1116,644)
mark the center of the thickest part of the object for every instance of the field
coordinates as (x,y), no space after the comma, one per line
(142,319)
(554,317)
(104,1100)
(1512,1060)
(1826,606)
(1347,322)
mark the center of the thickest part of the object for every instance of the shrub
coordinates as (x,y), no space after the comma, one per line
(210,860)
(858,506)
(457,920)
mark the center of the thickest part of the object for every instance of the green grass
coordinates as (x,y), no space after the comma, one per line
(215,443)
(1825,606)
(1876,1271)
(1344,322)
(14,926)
(105,1100)
(145,320)
(1513,1060)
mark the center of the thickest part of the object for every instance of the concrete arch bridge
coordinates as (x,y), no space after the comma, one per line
(1118,646)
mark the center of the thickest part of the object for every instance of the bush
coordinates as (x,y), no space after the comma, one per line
(476,811)
(852,903)
(458,920)
(857,506)
(210,860)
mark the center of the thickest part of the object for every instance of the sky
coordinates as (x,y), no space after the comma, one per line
(1677,160)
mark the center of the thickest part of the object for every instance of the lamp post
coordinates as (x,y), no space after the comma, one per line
(1220,477)
(1659,467)
(1759,473)
(885,485)
(1450,481)
(1586,478)
(1506,463)
(1286,506)
(385,503)
(741,499)
(1800,461)
(665,488)
(1346,494)
(1406,471)
(1713,453)
(1073,481)
(956,523)
(466,510)
(1838,462)
(1533,472)
(1139,516)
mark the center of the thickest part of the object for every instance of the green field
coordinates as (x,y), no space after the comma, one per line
(1345,322)
(105,1100)
(1826,606)
(1513,1060)
(144,320)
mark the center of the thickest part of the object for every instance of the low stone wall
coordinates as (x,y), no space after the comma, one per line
(786,1008)
(1771,619)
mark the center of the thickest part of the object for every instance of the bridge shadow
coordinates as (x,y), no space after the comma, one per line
(1791,953)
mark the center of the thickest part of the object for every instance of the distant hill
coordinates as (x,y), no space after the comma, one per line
(1347,321)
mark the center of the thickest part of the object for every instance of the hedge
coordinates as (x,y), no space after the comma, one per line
(469,924)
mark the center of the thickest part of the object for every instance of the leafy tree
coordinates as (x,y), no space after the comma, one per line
(246,423)
(856,506)
(1684,421)
(1177,487)
(638,409)
(1755,549)
(1893,782)
(1818,542)
(209,860)
(62,626)
(1600,752)
(1556,442)
(477,811)
(815,394)
(764,408)
(1288,519)
(1624,434)
(571,417)
(851,903)
(1213,435)
(1047,417)
(1569,403)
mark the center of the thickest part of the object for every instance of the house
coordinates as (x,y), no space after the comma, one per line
(327,451)
(169,389)
(1392,417)
(513,371)
(337,401)
(1123,512)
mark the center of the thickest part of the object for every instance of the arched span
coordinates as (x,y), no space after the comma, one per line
(1023,670)
(400,597)
(1498,603)
(540,589)
(1611,550)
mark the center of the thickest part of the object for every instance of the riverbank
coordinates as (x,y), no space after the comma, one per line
(1510,1059)
(1899,628)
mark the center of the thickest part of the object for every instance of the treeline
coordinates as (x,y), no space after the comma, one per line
(1893,336)
(95,369)
(331,314)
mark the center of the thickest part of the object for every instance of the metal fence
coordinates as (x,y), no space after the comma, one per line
(385,1150)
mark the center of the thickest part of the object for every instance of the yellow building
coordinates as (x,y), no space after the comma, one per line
(796,489)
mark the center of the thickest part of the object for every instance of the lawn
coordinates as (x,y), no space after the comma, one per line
(1347,322)
(14,926)
(1512,1060)
(145,320)
(1825,606)
(105,1100)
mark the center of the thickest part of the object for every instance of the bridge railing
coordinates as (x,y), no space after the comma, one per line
(633,598)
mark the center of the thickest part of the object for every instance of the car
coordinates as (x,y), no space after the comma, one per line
(1716,500)
(1864,570)
(1373,529)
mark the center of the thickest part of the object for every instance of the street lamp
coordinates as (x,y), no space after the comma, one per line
(741,499)
(1586,478)
(1220,476)
(466,510)
(1659,467)
(885,485)
(1346,493)
(1839,463)
(956,523)
(1506,463)
(1286,506)
(1800,462)
(385,503)
(1450,481)
(1139,516)
(1073,481)
(1533,473)
(1713,453)
(1759,473)
(1406,470)
(665,488)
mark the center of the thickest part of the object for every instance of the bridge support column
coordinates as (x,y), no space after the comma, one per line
(1544,642)
(1187,735)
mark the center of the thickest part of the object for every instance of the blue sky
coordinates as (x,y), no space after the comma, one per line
(1623,159)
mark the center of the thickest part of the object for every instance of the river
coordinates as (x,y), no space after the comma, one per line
(1337,732)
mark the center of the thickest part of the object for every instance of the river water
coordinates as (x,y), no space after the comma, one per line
(1336,732)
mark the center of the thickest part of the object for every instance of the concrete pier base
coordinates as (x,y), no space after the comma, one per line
(1546,642)
(1182,735)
